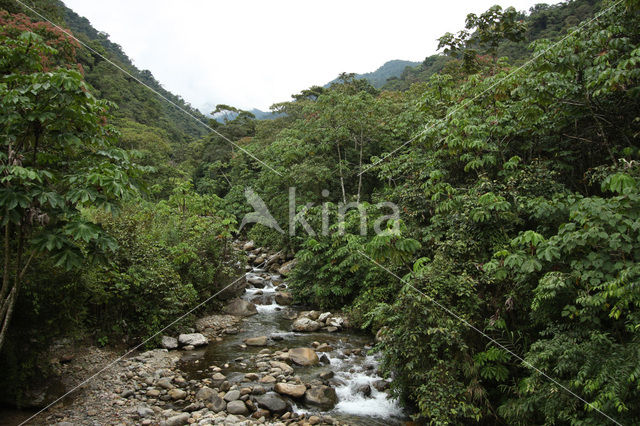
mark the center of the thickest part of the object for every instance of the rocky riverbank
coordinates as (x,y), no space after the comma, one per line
(225,371)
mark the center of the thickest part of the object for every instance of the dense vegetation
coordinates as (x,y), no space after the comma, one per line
(519,201)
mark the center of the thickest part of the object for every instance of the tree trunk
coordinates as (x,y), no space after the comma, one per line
(344,195)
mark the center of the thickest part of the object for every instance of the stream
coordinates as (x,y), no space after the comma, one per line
(353,368)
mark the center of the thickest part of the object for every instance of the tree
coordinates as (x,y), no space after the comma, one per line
(57,158)
(487,32)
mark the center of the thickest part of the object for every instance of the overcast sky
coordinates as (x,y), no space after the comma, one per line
(255,53)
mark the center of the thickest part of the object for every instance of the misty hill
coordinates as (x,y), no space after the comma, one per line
(379,77)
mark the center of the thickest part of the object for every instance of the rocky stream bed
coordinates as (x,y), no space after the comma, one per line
(262,361)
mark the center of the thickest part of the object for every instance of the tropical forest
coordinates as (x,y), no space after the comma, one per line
(448,242)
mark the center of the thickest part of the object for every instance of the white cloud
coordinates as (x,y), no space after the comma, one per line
(254,53)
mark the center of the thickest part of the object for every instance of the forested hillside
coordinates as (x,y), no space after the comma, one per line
(543,21)
(503,291)
(389,69)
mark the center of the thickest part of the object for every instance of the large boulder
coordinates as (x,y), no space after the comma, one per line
(306,324)
(192,339)
(290,389)
(303,356)
(256,341)
(240,308)
(272,402)
(284,298)
(255,280)
(286,269)
(321,396)
(169,342)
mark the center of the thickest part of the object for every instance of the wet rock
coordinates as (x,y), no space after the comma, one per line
(325,359)
(331,329)
(306,324)
(241,308)
(179,420)
(284,298)
(321,396)
(255,280)
(294,391)
(326,375)
(303,356)
(380,385)
(364,389)
(272,402)
(256,341)
(237,407)
(232,395)
(169,342)
(324,348)
(192,339)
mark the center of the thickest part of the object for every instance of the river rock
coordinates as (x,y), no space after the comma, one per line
(179,420)
(324,348)
(326,375)
(321,396)
(241,308)
(286,368)
(324,316)
(306,324)
(237,407)
(285,269)
(232,395)
(364,389)
(256,341)
(272,402)
(255,280)
(205,394)
(176,394)
(144,411)
(335,322)
(217,404)
(303,356)
(192,339)
(284,298)
(249,245)
(169,342)
(380,385)
(165,383)
(289,389)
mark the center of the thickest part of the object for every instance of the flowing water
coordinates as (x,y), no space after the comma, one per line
(350,370)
